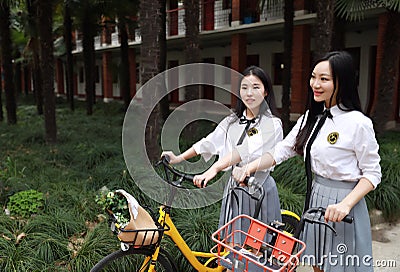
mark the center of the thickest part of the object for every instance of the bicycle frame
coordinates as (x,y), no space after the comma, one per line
(165,220)
(170,230)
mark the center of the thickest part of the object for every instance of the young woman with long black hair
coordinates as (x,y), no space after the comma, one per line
(343,156)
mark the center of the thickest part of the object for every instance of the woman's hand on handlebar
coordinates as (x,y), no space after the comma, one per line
(239,174)
(173,159)
(336,212)
(202,180)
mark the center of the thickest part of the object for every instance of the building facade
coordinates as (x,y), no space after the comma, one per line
(235,34)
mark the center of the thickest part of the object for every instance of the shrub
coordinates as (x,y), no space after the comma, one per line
(25,203)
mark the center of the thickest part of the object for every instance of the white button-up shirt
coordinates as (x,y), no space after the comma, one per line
(354,155)
(226,135)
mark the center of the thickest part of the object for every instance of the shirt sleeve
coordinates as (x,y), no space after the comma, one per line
(285,149)
(215,142)
(366,149)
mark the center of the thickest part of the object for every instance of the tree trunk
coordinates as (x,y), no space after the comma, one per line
(1,91)
(192,55)
(37,76)
(150,26)
(88,33)
(124,68)
(287,60)
(388,75)
(17,76)
(164,103)
(69,58)
(47,68)
(6,57)
(34,46)
(324,27)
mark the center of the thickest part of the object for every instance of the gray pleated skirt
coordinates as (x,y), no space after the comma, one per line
(351,249)
(244,204)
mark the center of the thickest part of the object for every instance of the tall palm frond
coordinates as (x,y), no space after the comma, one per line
(354,10)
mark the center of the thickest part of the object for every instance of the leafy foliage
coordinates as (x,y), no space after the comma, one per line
(25,203)
(115,203)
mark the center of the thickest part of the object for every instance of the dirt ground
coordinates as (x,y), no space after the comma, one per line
(385,248)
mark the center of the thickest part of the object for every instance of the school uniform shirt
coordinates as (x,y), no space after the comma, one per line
(352,156)
(226,135)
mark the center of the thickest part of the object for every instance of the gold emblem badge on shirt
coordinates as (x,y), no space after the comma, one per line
(333,137)
(252,131)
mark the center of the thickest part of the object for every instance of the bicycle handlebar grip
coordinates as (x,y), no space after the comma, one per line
(189,177)
(248,181)
(166,158)
(347,219)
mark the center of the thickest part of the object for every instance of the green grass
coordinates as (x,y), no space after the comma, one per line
(68,233)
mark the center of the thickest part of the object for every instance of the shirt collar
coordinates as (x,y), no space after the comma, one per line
(244,117)
(335,110)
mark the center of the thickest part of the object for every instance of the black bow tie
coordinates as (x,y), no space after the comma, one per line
(328,113)
(243,120)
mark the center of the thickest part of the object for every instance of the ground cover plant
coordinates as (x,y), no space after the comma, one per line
(66,230)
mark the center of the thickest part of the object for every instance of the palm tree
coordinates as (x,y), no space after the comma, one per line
(45,19)
(150,26)
(6,58)
(383,108)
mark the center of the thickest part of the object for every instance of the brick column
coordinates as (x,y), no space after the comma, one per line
(236,19)
(132,71)
(238,60)
(301,56)
(106,32)
(300,6)
(107,76)
(60,77)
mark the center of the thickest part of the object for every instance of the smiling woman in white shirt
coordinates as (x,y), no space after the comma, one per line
(343,156)
(250,131)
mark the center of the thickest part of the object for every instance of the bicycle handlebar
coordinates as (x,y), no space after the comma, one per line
(165,162)
(313,215)
(347,219)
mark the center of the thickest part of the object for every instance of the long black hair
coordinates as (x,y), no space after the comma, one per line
(345,88)
(269,98)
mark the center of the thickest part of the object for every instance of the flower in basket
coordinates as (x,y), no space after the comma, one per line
(114,204)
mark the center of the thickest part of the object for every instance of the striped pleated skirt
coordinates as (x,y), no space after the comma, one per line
(351,249)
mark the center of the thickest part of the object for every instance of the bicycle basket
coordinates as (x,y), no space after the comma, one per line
(141,230)
(261,248)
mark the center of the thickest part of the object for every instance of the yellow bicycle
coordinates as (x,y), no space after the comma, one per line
(151,256)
